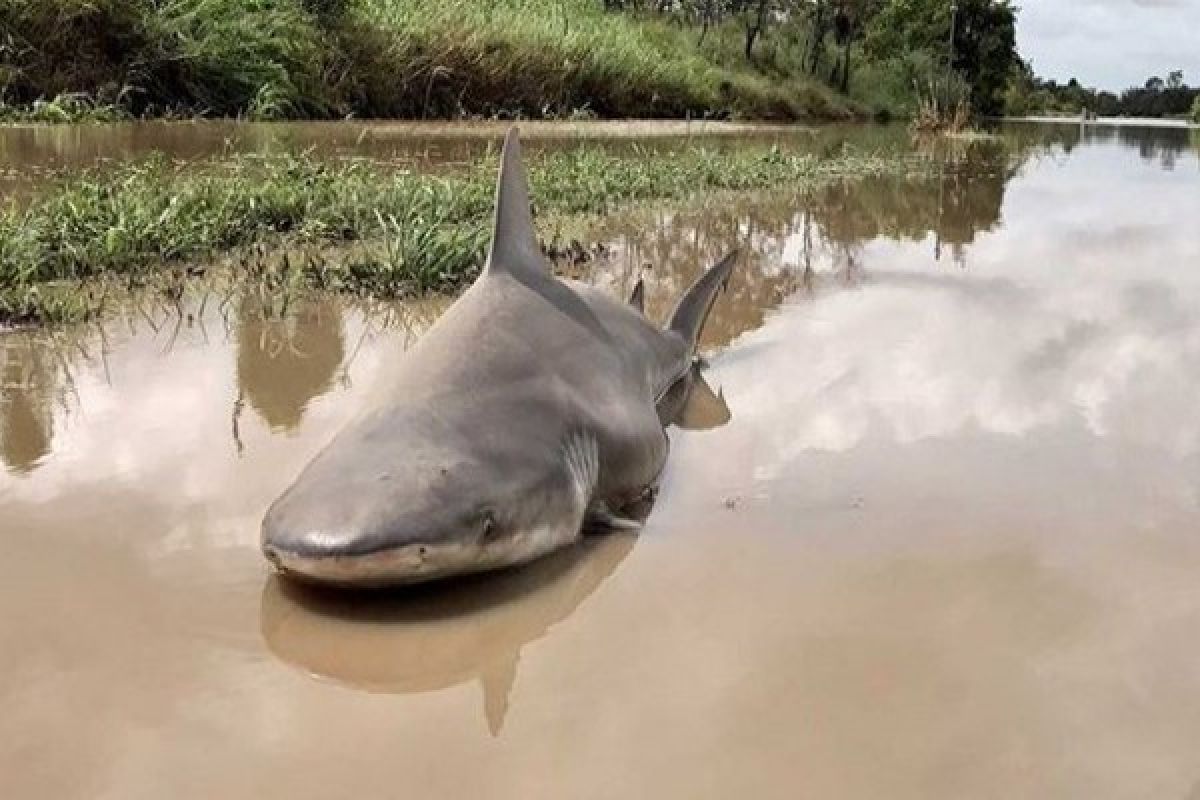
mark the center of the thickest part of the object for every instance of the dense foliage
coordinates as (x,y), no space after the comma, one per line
(380,58)
(1156,98)
(887,53)
(772,59)
(981,43)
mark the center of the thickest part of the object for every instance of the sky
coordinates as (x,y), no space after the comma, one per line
(1111,44)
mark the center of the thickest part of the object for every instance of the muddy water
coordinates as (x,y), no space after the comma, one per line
(32,155)
(946,546)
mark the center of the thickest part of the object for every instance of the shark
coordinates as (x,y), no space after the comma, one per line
(532,411)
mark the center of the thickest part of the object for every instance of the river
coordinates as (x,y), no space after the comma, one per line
(942,539)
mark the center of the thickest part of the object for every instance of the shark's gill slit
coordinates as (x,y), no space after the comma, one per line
(582,455)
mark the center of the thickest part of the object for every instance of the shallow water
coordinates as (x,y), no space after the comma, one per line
(946,546)
(32,156)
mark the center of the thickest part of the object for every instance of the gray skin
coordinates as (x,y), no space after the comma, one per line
(528,411)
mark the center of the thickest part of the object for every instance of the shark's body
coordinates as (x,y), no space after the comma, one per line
(530,408)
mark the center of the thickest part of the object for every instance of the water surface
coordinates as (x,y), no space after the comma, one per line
(34,156)
(946,545)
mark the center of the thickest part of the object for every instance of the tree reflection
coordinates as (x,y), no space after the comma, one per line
(791,241)
(1165,145)
(670,249)
(29,388)
(283,364)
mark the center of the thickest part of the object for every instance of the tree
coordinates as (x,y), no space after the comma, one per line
(976,38)
(756,19)
(819,24)
(985,48)
(1156,98)
(709,12)
(850,19)
(1019,96)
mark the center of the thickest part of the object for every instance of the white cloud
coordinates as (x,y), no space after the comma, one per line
(1112,44)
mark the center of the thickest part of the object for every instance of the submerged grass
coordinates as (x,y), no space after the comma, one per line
(383,58)
(412,232)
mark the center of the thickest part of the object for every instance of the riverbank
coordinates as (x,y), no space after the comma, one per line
(414,59)
(396,232)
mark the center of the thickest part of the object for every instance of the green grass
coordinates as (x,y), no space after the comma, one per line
(387,58)
(64,108)
(150,56)
(409,232)
(553,56)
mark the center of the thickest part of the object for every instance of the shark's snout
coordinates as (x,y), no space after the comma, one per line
(357,536)
(307,537)
(310,558)
(317,562)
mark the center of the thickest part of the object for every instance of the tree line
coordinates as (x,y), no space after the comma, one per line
(1158,97)
(863,47)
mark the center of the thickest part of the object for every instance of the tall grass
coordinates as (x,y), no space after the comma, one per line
(943,103)
(205,56)
(383,58)
(916,86)
(265,57)
(64,108)
(413,232)
(551,56)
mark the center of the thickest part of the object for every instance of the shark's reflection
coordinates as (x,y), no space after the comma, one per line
(435,636)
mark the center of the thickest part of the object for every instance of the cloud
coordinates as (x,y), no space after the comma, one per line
(1112,44)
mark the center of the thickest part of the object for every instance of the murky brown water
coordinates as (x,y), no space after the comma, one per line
(32,155)
(947,545)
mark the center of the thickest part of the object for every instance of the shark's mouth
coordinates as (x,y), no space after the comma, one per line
(418,563)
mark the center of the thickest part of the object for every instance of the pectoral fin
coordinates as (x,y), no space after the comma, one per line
(704,409)
(691,404)
(602,519)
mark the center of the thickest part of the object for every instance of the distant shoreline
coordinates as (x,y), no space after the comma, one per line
(1127,122)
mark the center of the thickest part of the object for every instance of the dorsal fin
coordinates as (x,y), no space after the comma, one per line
(689,316)
(638,298)
(514,243)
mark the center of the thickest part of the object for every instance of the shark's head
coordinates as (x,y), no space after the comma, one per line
(359,515)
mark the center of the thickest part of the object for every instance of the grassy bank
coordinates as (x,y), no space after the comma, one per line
(411,232)
(378,58)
